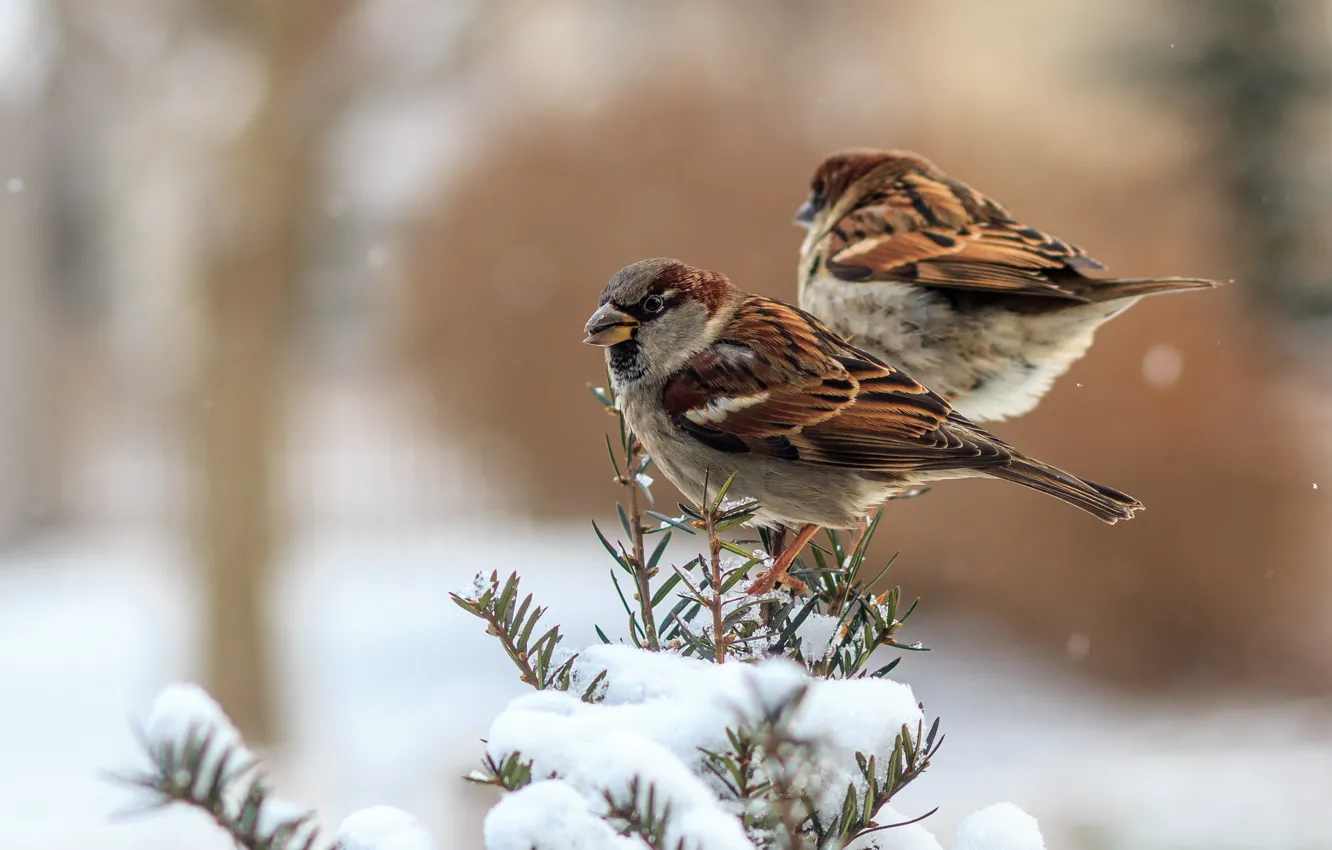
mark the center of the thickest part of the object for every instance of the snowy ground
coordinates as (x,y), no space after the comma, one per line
(387,687)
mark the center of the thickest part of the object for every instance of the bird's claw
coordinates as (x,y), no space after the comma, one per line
(771,577)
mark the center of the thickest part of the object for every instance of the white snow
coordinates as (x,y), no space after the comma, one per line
(1002,826)
(846,716)
(569,747)
(649,726)
(551,815)
(184,715)
(660,710)
(277,813)
(910,836)
(185,709)
(478,586)
(817,635)
(382,828)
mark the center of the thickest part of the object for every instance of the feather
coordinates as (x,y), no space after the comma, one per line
(902,219)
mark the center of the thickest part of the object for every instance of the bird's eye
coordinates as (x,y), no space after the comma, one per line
(653,304)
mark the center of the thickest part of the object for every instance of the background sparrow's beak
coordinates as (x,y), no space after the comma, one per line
(805,215)
(609,326)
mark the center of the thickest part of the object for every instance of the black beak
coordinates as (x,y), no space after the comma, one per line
(806,214)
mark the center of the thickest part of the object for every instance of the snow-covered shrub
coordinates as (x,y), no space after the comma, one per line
(717,721)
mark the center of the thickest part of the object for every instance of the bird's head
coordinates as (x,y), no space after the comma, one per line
(843,181)
(656,314)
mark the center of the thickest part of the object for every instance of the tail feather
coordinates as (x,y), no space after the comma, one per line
(1105,503)
(1129,287)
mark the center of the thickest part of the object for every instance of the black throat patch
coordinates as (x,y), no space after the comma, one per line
(626,360)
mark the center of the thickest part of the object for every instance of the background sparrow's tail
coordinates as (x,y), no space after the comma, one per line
(1130,287)
(1105,503)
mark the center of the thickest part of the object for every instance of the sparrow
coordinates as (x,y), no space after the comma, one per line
(934,277)
(716,382)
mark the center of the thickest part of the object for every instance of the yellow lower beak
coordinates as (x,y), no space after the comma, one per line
(609,326)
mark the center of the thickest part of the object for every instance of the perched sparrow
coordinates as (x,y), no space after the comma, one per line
(938,279)
(715,381)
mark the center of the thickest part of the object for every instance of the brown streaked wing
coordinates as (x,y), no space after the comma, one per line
(780,383)
(941,233)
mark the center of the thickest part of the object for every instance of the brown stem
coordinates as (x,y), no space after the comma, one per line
(641,576)
(715,603)
(525,671)
(784,785)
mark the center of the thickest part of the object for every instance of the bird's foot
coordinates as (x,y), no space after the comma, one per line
(777,574)
(768,579)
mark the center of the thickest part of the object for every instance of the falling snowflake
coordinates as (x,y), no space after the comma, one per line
(1162,366)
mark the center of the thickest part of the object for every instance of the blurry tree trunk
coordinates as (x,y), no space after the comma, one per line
(28,474)
(252,251)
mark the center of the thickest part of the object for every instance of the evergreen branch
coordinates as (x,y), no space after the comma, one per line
(737,770)
(865,622)
(643,821)
(510,773)
(714,601)
(733,629)
(880,828)
(786,758)
(910,757)
(220,777)
(634,479)
(596,689)
(514,625)
(643,572)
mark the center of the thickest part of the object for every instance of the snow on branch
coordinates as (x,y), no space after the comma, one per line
(720,721)
(199,760)
(711,753)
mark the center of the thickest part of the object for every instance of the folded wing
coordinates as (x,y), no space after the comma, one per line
(780,383)
(928,229)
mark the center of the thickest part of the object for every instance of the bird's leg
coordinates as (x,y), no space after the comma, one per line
(768,579)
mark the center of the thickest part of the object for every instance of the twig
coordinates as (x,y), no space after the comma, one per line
(222,779)
(780,746)
(496,628)
(514,622)
(645,821)
(715,601)
(916,819)
(632,461)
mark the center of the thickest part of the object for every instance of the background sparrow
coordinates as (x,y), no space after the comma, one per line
(715,381)
(936,278)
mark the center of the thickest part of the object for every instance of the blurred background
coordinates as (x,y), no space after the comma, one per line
(290,346)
